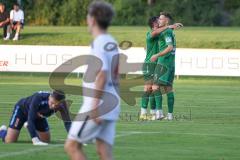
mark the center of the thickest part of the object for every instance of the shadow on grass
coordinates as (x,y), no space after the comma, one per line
(30,142)
(27,36)
(24,142)
(36,35)
(57,142)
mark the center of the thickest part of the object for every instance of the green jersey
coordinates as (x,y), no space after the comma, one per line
(152,49)
(167,38)
(152,46)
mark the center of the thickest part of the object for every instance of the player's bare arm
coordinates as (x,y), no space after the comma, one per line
(4,22)
(175,26)
(158,31)
(99,83)
(164,52)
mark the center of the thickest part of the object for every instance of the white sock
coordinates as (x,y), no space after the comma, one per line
(159,112)
(16,35)
(153,111)
(170,115)
(8,35)
(143,111)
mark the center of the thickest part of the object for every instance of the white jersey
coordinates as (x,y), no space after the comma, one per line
(105,48)
(17,16)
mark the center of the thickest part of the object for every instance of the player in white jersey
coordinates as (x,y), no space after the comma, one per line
(101,103)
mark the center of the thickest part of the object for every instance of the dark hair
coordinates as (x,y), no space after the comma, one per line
(166,14)
(102,12)
(2,4)
(152,20)
(58,95)
(16,4)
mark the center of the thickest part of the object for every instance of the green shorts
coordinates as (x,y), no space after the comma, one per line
(164,75)
(148,71)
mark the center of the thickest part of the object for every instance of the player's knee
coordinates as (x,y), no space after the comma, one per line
(148,88)
(44,136)
(46,140)
(169,89)
(70,147)
(9,140)
(155,88)
(12,136)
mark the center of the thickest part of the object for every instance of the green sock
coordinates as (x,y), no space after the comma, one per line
(158,99)
(145,99)
(152,101)
(170,97)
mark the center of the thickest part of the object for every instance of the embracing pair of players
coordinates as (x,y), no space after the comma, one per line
(159,67)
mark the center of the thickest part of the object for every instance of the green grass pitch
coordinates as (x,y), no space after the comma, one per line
(207,125)
(188,37)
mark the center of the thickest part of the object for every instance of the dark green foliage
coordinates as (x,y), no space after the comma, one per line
(133,12)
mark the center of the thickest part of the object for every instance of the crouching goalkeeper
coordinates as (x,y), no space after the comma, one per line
(34,111)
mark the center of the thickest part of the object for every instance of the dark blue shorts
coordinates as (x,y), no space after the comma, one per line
(22,24)
(19,118)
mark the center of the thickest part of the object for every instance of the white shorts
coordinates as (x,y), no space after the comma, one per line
(87,131)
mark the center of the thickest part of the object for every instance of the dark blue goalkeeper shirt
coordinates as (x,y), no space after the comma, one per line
(36,107)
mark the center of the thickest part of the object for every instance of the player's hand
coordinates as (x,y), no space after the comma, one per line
(1,24)
(37,142)
(98,121)
(154,58)
(176,26)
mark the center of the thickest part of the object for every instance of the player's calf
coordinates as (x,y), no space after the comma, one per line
(168,90)
(145,100)
(158,98)
(104,150)
(11,136)
(171,99)
(153,107)
(74,150)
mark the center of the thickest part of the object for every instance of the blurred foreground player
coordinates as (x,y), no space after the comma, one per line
(34,111)
(98,124)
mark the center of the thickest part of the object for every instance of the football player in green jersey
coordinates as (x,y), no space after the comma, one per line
(165,68)
(152,39)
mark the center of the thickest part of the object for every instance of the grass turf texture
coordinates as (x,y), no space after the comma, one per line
(188,37)
(213,133)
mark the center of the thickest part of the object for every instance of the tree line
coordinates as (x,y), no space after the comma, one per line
(132,12)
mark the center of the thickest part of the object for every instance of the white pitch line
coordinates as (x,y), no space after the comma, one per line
(16,102)
(24,84)
(29,151)
(182,133)
(48,147)
(123,134)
